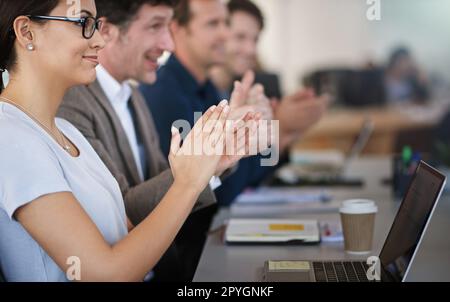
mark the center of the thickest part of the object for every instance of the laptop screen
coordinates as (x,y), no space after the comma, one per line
(410,221)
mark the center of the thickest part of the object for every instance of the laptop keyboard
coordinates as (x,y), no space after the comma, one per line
(337,271)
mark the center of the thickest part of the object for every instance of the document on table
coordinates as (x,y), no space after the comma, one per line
(268,195)
(269,202)
(275,231)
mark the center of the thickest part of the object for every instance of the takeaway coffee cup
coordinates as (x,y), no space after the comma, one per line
(358,220)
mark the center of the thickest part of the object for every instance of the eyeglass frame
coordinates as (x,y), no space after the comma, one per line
(82,21)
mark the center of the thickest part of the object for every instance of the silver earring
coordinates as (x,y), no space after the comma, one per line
(30,47)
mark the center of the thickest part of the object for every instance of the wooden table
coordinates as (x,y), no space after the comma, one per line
(339,128)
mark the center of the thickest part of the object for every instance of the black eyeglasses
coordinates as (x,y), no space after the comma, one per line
(89,24)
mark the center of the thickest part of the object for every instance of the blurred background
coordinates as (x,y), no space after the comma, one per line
(304,35)
(394,72)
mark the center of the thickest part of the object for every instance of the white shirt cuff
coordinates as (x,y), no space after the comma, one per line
(215,182)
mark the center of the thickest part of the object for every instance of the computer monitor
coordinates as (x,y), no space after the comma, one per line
(411,222)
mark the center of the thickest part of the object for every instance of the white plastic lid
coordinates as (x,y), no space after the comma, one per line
(358,206)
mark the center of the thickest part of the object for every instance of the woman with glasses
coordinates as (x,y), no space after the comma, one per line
(61,212)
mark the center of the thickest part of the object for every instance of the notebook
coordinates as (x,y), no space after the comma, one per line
(270,202)
(272,231)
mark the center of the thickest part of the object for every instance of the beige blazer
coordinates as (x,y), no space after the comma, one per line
(88,109)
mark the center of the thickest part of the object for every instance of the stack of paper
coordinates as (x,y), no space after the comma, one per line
(245,231)
(334,158)
(267,202)
(271,195)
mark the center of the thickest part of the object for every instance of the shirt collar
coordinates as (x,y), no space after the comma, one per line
(117,93)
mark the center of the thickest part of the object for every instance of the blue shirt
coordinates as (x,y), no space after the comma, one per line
(177,95)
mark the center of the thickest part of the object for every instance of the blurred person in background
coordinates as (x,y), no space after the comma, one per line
(297,112)
(404,81)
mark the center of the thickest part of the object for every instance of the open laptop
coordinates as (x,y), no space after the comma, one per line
(400,246)
(327,174)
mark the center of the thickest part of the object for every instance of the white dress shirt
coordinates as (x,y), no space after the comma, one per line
(119,95)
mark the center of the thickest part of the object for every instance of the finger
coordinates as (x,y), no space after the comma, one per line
(209,124)
(251,138)
(217,140)
(237,98)
(240,139)
(249,116)
(229,140)
(224,114)
(215,136)
(248,80)
(241,146)
(198,127)
(238,128)
(243,132)
(239,113)
(241,121)
(246,144)
(207,115)
(175,141)
(256,91)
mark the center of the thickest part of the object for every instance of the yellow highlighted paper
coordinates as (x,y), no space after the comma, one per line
(286,227)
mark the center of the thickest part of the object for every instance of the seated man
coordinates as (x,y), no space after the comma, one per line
(182,89)
(201,34)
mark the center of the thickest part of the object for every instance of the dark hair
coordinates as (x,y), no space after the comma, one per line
(397,54)
(182,14)
(9,11)
(248,7)
(121,12)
